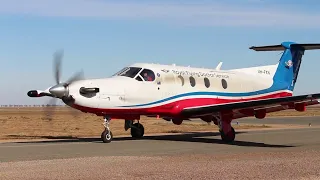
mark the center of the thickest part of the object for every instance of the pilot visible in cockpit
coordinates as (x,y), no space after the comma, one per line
(146,77)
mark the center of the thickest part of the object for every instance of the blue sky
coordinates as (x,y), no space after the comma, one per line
(101,37)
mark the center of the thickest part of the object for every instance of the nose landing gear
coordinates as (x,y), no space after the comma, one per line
(106,135)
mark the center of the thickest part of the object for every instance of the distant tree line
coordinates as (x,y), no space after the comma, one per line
(35,105)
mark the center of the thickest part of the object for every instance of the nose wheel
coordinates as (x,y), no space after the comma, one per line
(106,135)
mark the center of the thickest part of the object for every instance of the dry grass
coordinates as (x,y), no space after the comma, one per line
(311,111)
(31,123)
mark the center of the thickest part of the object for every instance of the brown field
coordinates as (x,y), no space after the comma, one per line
(311,111)
(30,123)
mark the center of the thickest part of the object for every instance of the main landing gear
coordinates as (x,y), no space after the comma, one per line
(227,132)
(137,130)
(228,137)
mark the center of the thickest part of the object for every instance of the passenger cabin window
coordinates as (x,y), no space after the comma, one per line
(128,72)
(147,75)
(192,81)
(206,82)
(224,83)
(181,79)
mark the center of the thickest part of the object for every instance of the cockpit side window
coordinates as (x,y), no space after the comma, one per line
(128,72)
(147,75)
(138,78)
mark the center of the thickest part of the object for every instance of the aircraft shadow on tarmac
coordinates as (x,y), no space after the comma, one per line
(196,137)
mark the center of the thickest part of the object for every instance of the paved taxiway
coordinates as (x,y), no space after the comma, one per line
(267,154)
(315,120)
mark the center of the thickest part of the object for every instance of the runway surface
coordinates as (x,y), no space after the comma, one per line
(283,120)
(267,154)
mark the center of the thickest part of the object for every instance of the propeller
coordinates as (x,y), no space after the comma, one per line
(61,90)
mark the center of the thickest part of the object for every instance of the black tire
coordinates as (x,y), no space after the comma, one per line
(137,130)
(228,139)
(105,138)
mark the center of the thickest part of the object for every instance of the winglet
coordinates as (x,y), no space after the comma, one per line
(219,66)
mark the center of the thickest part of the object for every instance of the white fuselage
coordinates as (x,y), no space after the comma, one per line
(171,89)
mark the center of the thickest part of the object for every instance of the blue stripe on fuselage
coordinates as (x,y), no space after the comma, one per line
(274,87)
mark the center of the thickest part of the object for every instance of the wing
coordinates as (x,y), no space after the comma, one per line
(271,103)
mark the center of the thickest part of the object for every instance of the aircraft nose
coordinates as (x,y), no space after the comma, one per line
(59,90)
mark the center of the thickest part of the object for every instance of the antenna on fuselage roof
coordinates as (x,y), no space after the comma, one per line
(219,66)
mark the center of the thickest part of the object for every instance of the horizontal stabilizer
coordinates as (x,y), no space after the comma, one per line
(268,48)
(285,45)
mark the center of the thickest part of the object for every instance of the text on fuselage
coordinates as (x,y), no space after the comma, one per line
(263,72)
(200,74)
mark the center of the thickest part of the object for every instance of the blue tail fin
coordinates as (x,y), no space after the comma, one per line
(289,64)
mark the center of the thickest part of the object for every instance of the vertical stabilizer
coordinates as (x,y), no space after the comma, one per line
(286,74)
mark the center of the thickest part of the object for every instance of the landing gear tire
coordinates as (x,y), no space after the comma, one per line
(106,137)
(228,138)
(137,130)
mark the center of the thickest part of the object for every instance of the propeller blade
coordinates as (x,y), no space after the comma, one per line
(77,76)
(60,87)
(73,112)
(50,110)
(57,59)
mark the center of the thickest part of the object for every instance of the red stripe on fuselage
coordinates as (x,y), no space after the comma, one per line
(172,108)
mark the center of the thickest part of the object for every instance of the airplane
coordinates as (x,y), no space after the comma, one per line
(178,93)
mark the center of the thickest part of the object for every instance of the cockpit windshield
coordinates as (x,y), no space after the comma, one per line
(144,75)
(128,72)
